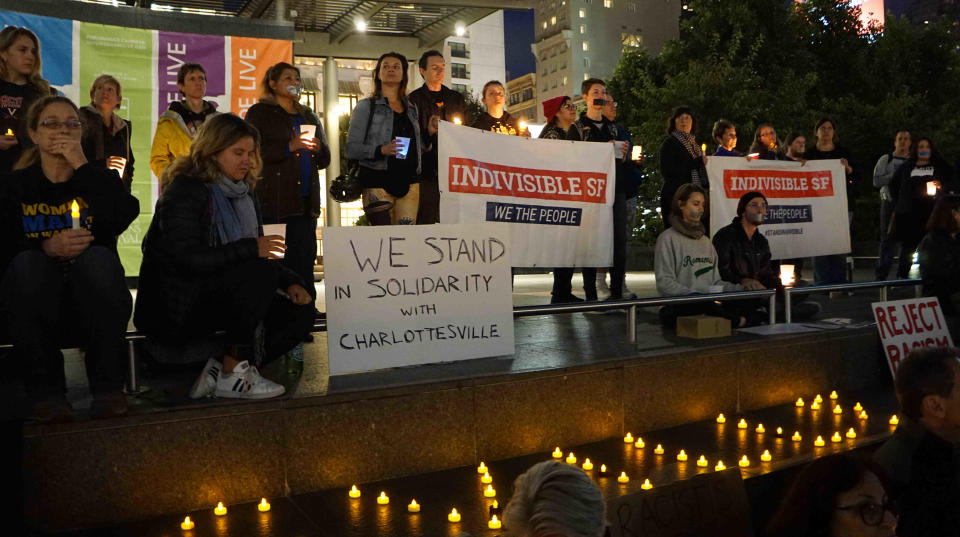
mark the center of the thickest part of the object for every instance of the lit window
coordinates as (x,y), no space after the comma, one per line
(544,25)
(553,20)
(583,13)
(586,46)
(564,81)
(583,28)
(586,76)
(607,3)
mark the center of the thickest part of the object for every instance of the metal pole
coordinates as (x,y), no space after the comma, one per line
(786,306)
(133,386)
(331,100)
(632,324)
(773,308)
(883,294)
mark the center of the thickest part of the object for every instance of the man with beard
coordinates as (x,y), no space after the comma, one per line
(743,256)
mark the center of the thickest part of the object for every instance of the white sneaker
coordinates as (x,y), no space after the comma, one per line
(206,383)
(245,382)
(602,286)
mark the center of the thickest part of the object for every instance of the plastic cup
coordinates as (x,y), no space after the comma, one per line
(275,229)
(402,152)
(308,132)
(621,148)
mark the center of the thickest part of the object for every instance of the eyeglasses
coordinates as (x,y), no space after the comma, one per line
(569,106)
(54,124)
(871,512)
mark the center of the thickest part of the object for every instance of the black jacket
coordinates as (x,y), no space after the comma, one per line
(739,257)
(447,104)
(98,144)
(279,191)
(911,203)
(839,152)
(676,167)
(181,252)
(33,209)
(585,130)
(939,267)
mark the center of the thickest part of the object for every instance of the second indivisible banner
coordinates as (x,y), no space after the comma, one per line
(556,195)
(807,214)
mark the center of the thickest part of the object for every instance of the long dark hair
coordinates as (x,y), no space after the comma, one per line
(758,146)
(679,111)
(808,507)
(272,75)
(935,158)
(941,218)
(378,85)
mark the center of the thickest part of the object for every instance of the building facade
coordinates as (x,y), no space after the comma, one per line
(477,56)
(522,97)
(580,39)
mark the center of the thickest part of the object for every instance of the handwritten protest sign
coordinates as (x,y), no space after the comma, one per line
(712,504)
(910,324)
(407,295)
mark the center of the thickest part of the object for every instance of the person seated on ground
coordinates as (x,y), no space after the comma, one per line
(206,266)
(552,499)
(60,272)
(725,134)
(685,261)
(840,495)
(743,256)
(106,136)
(921,457)
(939,254)
(765,144)
(496,119)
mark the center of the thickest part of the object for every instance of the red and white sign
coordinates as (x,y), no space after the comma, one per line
(807,214)
(906,325)
(556,196)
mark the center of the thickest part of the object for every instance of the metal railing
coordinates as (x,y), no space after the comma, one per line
(789,292)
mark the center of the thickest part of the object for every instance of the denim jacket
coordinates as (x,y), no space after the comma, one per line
(364,145)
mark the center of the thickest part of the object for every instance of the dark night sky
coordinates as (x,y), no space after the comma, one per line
(517,37)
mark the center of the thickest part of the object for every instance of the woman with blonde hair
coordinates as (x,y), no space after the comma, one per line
(20,85)
(206,266)
(552,499)
(106,136)
(292,158)
(61,281)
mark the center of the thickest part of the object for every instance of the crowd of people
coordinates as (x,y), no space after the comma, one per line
(232,244)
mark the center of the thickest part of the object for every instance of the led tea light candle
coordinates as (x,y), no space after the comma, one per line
(557,454)
(799,402)
(571,458)
(658,450)
(639,443)
(486,478)
(863,415)
(836,437)
(647,485)
(74,215)
(779,431)
(263,506)
(719,467)
(383,499)
(220,510)
(796,436)
(765,456)
(721,419)
(490,492)
(818,399)
(894,420)
(851,433)
(834,396)
(587,465)
(623,478)
(819,441)
(682,456)
(744,462)
(454,516)
(457,120)
(413,506)
(837,410)
(187,524)
(742,424)
(10,133)
(857,407)
(703,147)
(482,469)
(354,492)
(603,469)
(815,406)
(702,462)
(761,429)
(494,523)
(628,438)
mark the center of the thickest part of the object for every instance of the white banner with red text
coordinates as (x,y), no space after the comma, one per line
(555,195)
(905,325)
(807,213)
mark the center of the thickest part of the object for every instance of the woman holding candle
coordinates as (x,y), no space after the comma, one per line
(496,119)
(836,496)
(914,188)
(385,139)
(681,159)
(178,126)
(294,149)
(62,279)
(939,254)
(765,143)
(725,134)
(106,136)
(207,267)
(20,85)
(552,498)
(685,261)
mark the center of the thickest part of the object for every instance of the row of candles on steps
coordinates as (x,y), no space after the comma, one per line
(587,465)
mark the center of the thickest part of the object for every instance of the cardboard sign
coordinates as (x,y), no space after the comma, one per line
(409,295)
(556,196)
(712,504)
(807,213)
(910,324)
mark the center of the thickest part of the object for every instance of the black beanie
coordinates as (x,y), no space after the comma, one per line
(745,199)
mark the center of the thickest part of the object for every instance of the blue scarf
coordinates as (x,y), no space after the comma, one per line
(234,216)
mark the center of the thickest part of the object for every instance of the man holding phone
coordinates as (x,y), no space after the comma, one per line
(593,127)
(434,102)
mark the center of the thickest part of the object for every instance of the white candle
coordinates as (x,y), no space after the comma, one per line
(786,275)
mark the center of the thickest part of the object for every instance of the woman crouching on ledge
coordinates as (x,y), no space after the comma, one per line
(207,267)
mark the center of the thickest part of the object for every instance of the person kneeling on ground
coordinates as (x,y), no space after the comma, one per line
(836,496)
(206,266)
(685,261)
(552,498)
(60,271)
(921,457)
(743,256)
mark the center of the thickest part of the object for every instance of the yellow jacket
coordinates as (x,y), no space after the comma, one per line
(171,141)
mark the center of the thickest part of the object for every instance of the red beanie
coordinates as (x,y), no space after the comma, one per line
(552,106)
